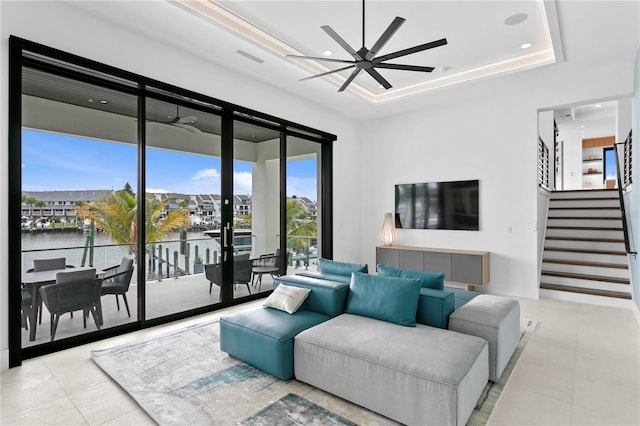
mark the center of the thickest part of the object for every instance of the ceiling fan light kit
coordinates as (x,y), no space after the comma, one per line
(366,59)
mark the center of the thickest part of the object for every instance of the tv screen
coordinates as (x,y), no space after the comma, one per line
(437,205)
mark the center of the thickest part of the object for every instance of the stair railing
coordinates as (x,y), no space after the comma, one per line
(625,229)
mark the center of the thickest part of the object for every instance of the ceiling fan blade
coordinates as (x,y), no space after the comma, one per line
(334,35)
(188,119)
(191,128)
(384,38)
(380,79)
(410,50)
(344,61)
(404,67)
(350,79)
(326,73)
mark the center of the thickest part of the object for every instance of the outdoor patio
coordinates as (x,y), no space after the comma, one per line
(164,297)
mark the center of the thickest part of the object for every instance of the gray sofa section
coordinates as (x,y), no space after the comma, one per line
(495,319)
(422,375)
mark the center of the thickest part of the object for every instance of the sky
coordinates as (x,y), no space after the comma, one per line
(55,162)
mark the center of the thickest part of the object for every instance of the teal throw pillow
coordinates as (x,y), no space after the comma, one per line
(434,280)
(388,271)
(332,267)
(385,298)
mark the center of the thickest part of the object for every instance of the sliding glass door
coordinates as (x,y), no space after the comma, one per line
(303,209)
(256,208)
(177,203)
(182,211)
(79,155)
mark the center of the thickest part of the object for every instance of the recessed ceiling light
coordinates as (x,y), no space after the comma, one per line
(327,53)
(516,19)
(380,86)
(582,126)
(526,45)
(103,101)
(598,105)
(90,100)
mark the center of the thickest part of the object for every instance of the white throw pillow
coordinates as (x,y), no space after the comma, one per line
(287,298)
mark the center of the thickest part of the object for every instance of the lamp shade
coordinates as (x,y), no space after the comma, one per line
(388,234)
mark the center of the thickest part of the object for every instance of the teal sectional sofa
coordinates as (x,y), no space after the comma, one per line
(354,331)
(264,337)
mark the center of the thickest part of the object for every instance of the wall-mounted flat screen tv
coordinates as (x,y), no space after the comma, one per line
(438,205)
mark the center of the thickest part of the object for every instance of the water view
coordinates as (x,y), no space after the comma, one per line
(74,247)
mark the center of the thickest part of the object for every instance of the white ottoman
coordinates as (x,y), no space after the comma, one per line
(495,319)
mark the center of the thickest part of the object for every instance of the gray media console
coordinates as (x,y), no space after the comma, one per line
(466,267)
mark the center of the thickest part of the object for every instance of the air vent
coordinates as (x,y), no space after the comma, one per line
(249,56)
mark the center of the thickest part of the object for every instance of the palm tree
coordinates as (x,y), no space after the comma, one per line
(300,224)
(116,215)
(32,202)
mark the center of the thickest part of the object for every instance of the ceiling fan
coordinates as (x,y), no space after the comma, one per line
(366,59)
(185,122)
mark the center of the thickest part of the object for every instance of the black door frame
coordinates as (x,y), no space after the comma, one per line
(26,53)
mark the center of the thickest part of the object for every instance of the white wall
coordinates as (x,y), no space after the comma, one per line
(487,131)
(67,28)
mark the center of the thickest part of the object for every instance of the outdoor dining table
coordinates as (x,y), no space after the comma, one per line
(32,281)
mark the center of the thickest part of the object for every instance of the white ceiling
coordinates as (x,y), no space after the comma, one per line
(590,32)
(593,120)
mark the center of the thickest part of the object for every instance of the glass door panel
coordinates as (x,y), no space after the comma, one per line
(302,218)
(79,154)
(182,209)
(256,208)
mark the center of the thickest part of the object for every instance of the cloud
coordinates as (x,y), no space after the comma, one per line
(242,182)
(211,175)
(157,191)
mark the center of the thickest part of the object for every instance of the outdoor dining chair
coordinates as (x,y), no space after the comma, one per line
(116,281)
(73,291)
(241,273)
(48,265)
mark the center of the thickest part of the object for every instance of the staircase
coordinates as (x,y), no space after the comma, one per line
(584,255)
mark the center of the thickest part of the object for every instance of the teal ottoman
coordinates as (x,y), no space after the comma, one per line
(263,337)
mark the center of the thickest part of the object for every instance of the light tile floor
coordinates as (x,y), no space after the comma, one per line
(580,367)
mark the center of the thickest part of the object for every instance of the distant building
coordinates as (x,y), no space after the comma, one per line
(60,204)
(203,208)
(309,206)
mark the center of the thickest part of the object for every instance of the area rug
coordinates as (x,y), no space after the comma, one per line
(182,377)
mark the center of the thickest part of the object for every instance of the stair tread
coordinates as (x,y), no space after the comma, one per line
(614,280)
(587,251)
(586,228)
(586,263)
(584,199)
(565,191)
(585,208)
(593,292)
(595,240)
(585,217)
